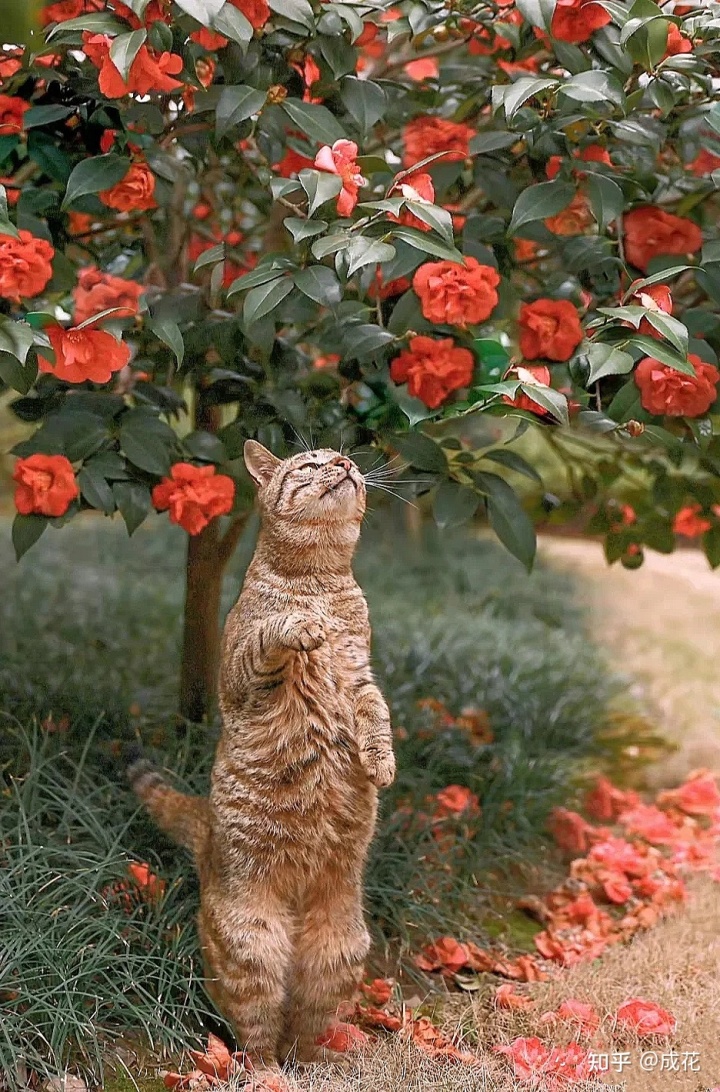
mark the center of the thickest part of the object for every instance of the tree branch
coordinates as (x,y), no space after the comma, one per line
(228,542)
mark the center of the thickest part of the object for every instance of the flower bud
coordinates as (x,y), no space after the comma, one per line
(276,94)
(634,428)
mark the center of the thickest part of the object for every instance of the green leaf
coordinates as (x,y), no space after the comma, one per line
(437,218)
(671,329)
(45,115)
(92,175)
(202,10)
(265,298)
(364,100)
(237,104)
(656,349)
(6,228)
(364,340)
(95,489)
(508,518)
(606,360)
(26,530)
(16,337)
(315,121)
(125,49)
(145,447)
(593,86)
(516,94)
(362,251)
(606,199)
(414,409)
(339,54)
(234,25)
(297,11)
(15,374)
(134,503)
(420,240)
(540,201)
(454,504)
(493,141)
(320,284)
(551,400)
(512,461)
(94,22)
(206,446)
(422,451)
(138,6)
(330,244)
(657,278)
(304,229)
(626,404)
(537,12)
(711,546)
(263,273)
(210,257)
(320,186)
(170,334)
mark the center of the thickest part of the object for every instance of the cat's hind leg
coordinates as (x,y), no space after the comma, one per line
(330,950)
(247,945)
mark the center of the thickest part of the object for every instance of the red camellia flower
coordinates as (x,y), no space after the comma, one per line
(69,9)
(656,297)
(433,368)
(12,109)
(418,187)
(46,485)
(457,294)
(134,192)
(25,267)
(454,800)
(549,329)
(704,163)
(292,163)
(96,292)
(576,20)
(664,390)
(341,159)
(650,231)
(157,11)
(194,495)
(645,1018)
(256,12)
(82,354)
(690,522)
(572,220)
(209,39)
(698,794)
(426,136)
(149,72)
(677,42)
(424,68)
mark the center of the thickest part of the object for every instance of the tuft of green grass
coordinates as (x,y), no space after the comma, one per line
(91,629)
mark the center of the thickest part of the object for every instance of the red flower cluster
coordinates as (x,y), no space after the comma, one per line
(194,495)
(549,329)
(426,136)
(690,522)
(256,12)
(97,291)
(573,220)
(650,231)
(433,368)
(459,295)
(134,192)
(341,159)
(84,354)
(418,187)
(46,485)
(576,20)
(25,267)
(12,110)
(666,391)
(150,72)
(69,9)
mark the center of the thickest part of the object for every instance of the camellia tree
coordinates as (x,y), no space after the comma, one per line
(390,224)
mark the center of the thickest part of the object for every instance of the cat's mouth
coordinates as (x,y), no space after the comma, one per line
(343,481)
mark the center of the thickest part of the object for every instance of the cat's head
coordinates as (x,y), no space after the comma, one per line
(310,487)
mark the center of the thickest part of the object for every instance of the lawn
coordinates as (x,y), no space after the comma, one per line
(90,629)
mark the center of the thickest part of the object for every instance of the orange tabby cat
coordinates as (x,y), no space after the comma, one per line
(281,843)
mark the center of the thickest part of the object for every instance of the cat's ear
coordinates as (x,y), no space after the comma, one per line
(259,462)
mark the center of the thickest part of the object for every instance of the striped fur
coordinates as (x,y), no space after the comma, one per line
(306,741)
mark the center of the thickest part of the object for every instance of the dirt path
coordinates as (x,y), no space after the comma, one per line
(661,624)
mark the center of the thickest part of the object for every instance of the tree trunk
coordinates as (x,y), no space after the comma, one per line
(201,638)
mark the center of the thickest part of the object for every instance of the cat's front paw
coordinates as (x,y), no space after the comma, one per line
(304,634)
(379,766)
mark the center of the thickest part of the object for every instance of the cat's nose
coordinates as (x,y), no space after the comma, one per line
(344,463)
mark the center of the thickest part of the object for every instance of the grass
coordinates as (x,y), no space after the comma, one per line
(91,630)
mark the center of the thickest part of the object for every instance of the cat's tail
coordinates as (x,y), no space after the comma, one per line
(185,818)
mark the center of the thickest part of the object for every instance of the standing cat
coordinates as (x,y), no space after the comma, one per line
(281,843)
